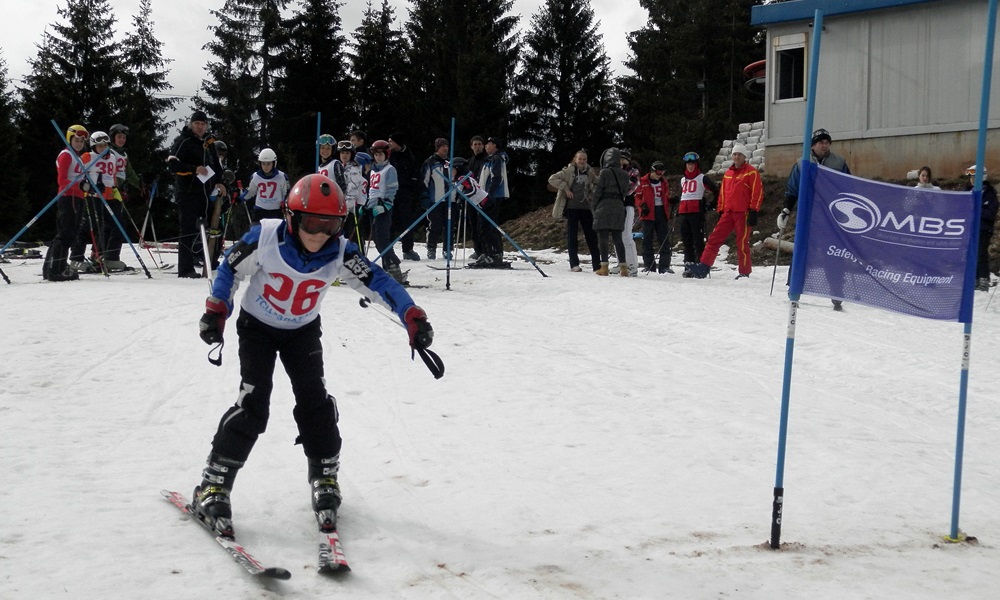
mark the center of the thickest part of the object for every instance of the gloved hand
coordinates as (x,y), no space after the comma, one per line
(783,218)
(85,186)
(377,210)
(243,196)
(644,210)
(420,331)
(752,218)
(100,186)
(213,322)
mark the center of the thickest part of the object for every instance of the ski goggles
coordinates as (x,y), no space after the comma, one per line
(80,133)
(326,140)
(690,157)
(345,145)
(313,224)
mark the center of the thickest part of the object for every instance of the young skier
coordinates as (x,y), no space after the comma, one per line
(69,208)
(269,185)
(383,184)
(289,265)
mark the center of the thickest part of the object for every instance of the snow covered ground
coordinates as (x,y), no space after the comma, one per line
(592,438)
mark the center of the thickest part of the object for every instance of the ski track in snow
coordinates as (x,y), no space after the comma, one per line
(592,438)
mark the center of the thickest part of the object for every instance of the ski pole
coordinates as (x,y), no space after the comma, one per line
(141,241)
(208,275)
(431,360)
(777,253)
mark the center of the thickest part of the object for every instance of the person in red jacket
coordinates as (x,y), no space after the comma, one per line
(692,206)
(652,200)
(69,207)
(739,200)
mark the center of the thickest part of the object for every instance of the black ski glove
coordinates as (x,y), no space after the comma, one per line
(213,322)
(752,218)
(420,331)
(644,210)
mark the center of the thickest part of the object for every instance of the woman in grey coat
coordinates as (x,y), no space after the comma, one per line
(608,209)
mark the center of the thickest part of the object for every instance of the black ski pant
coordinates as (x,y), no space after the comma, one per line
(382,233)
(605,247)
(654,237)
(403,214)
(191,207)
(315,411)
(581,218)
(113,239)
(489,235)
(438,218)
(692,227)
(89,231)
(69,217)
(983,257)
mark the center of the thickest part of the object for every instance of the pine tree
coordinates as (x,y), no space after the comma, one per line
(467,55)
(686,92)
(13,201)
(142,107)
(563,93)
(314,80)
(72,80)
(379,66)
(248,40)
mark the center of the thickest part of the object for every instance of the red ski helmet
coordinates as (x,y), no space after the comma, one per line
(316,204)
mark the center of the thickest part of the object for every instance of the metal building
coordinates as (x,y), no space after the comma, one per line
(899,83)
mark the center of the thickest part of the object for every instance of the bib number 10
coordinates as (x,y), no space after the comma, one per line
(288,297)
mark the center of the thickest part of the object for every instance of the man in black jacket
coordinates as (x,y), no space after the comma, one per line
(193,159)
(404,208)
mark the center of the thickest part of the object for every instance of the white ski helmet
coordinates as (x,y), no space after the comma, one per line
(99,137)
(267,155)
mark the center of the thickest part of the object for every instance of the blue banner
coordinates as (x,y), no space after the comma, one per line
(896,248)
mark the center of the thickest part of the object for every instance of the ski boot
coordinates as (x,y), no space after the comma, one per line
(210,502)
(326,496)
(397,274)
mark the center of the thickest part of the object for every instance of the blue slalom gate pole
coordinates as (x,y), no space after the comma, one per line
(955,534)
(34,219)
(319,124)
(795,289)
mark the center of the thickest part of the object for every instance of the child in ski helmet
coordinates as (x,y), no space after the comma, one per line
(269,186)
(288,265)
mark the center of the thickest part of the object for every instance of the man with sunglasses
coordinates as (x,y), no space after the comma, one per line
(289,265)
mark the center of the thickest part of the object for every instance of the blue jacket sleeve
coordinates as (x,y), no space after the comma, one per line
(792,187)
(237,263)
(369,280)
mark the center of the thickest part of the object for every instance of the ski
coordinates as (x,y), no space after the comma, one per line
(235,550)
(331,553)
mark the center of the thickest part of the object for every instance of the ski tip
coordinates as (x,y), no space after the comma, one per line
(335,569)
(276,573)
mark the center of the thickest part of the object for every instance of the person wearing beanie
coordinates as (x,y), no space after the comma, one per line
(195,162)
(652,200)
(408,197)
(820,154)
(740,198)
